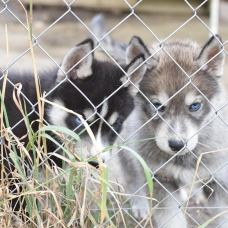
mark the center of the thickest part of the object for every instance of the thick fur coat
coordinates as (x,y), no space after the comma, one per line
(181,108)
(98,91)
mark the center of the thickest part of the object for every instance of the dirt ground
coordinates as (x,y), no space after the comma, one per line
(55,37)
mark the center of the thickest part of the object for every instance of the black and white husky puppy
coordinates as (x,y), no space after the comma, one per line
(100,91)
(182,106)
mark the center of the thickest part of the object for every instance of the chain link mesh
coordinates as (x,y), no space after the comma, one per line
(8,12)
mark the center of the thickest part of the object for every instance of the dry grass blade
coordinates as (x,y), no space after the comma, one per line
(196,174)
(83,207)
(37,85)
(2,108)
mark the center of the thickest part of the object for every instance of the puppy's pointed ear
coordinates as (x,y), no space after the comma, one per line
(81,70)
(136,47)
(213,54)
(135,75)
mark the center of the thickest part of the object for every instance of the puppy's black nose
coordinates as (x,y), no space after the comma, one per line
(94,164)
(176,144)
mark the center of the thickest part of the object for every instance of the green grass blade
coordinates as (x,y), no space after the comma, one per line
(63,130)
(104,175)
(212,219)
(30,132)
(69,192)
(72,158)
(145,167)
(146,171)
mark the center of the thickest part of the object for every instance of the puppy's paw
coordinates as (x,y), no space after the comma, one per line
(141,208)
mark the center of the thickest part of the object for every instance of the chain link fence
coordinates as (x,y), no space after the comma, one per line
(56,30)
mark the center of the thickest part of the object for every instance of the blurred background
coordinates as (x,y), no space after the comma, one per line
(58,25)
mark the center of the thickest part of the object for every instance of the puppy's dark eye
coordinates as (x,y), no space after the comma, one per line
(158,105)
(78,121)
(195,107)
(117,125)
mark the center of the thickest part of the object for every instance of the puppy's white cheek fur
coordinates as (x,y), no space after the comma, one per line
(190,135)
(161,137)
(191,144)
(57,115)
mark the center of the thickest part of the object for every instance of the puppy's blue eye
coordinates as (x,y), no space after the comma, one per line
(157,105)
(195,107)
(78,121)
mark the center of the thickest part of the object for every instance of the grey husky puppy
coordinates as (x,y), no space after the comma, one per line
(181,106)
